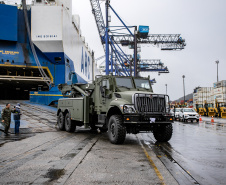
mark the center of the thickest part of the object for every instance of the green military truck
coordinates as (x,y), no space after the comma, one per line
(115,104)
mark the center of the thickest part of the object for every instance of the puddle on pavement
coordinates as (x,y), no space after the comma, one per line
(54,174)
(72,155)
(24,133)
(213,126)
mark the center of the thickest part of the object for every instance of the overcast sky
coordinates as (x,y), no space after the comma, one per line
(200,22)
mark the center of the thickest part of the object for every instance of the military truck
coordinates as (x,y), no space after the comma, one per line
(117,105)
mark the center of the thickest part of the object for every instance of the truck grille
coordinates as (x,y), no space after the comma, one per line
(150,103)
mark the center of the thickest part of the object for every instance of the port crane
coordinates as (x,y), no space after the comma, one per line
(112,37)
(144,65)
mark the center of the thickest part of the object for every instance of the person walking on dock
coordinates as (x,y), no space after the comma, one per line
(17,114)
(6,117)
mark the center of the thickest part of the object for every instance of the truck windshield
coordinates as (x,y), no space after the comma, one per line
(142,83)
(124,82)
(210,105)
(199,106)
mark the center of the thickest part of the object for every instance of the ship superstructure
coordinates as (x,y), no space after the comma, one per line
(61,51)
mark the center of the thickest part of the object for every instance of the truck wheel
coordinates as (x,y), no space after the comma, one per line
(163,133)
(116,131)
(69,125)
(60,121)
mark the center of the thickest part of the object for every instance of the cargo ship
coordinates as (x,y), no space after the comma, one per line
(41,46)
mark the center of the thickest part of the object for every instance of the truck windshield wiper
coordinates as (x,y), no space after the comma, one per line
(143,88)
(124,86)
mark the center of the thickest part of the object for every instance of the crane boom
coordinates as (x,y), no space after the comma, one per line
(112,39)
(144,65)
(152,65)
(96,10)
(168,41)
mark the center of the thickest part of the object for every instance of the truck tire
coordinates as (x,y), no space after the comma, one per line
(69,125)
(116,131)
(163,132)
(60,121)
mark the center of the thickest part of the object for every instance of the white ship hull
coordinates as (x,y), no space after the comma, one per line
(56,32)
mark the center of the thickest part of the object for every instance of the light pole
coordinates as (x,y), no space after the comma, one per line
(184,88)
(166,89)
(217,62)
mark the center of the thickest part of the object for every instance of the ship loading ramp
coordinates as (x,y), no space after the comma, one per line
(17,81)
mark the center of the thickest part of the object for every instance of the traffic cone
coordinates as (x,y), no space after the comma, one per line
(212,120)
(200,118)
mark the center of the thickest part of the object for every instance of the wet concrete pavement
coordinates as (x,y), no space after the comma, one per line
(197,151)
(42,154)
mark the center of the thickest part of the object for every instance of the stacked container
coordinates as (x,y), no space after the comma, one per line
(210,95)
(220,91)
(202,95)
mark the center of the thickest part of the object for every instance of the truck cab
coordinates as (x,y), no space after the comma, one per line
(209,109)
(119,105)
(199,109)
(220,110)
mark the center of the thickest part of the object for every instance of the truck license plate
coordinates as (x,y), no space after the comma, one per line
(152,120)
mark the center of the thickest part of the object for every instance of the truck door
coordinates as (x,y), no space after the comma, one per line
(104,90)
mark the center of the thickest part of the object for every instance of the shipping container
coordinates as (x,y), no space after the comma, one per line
(220,90)
(219,84)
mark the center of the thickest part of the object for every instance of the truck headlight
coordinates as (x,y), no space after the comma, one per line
(128,109)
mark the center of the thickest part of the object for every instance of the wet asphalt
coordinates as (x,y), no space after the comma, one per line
(195,154)
(42,154)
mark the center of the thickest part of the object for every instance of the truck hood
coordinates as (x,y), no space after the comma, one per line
(128,95)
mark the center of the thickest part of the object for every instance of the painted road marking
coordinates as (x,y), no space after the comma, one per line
(152,163)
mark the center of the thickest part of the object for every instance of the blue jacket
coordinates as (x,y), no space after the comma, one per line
(17,114)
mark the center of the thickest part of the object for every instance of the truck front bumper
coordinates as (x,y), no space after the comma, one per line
(138,119)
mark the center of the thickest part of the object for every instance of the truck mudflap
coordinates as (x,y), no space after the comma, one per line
(147,119)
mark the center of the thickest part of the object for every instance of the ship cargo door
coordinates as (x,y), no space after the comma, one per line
(17,82)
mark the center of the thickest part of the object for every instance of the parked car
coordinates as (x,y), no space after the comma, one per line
(188,114)
(175,112)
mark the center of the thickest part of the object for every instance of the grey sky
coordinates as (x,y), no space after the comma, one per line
(201,23)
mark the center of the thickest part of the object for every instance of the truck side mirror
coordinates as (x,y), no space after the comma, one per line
(102,91)
(104,83)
